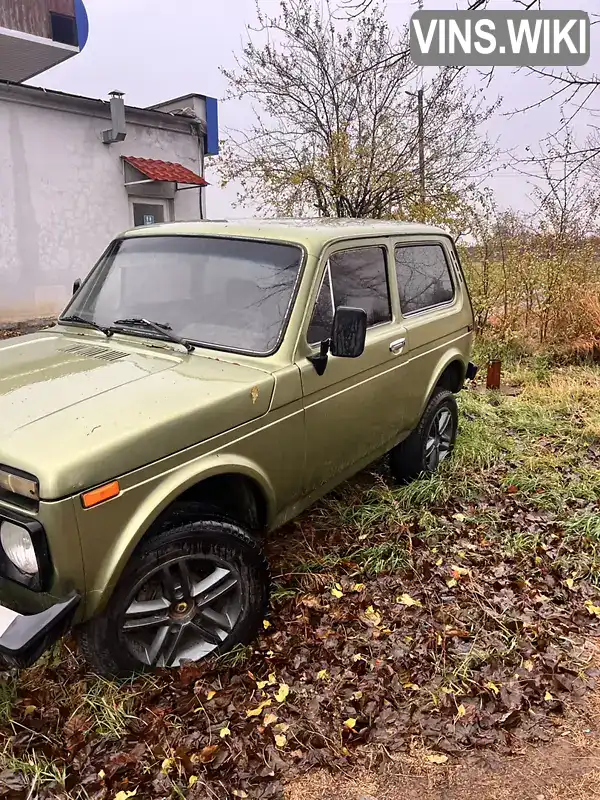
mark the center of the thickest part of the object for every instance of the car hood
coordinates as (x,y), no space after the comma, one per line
(76,410)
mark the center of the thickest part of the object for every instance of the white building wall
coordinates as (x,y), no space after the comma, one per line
(62,199)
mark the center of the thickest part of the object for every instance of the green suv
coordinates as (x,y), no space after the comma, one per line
(206,383)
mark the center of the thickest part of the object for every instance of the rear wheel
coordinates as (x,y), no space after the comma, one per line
(430,443)
(191,591)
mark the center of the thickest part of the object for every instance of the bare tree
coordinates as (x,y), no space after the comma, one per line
(335,128)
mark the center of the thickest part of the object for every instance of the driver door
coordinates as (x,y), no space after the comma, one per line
(354,411)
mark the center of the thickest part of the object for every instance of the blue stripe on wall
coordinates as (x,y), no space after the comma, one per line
(212,127)
(81,20)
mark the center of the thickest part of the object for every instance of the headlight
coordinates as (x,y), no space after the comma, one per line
(19,483)
(18,547)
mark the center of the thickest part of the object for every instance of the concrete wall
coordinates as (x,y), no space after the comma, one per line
(62,194)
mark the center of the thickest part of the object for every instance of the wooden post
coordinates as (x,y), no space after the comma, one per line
(493,374)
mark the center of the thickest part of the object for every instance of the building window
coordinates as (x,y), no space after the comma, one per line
(64,29)
(148,213)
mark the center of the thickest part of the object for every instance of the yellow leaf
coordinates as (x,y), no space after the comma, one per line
(261,684)
(358,587)
(125,795)
(592,609)
(407,600)
(255,712)
(193,779)
(322,674)
(451,583)
(266,624)
(493,687)
(282,693)
(358,657)
(372,615)
(102,774)
(269,719)
(461,710)
(461,571)
(337,593)
(282,727)
(446,690)
(270,654)
(272,678)
(239,793)
(570,582)
(528,665)
(210,695)
(357,695)
(280,740)
(350,723)
(224,732)
(459,517)
(412,686)
(167,765)
(439,562)
(30,709)
(436,758)
(548,696)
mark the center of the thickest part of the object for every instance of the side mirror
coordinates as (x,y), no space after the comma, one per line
(76,285)
(349,332)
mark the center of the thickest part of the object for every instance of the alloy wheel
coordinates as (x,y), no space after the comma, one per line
(440,437)
(182,610)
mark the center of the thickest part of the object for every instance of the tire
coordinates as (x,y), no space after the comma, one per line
(410,458)
(159,601)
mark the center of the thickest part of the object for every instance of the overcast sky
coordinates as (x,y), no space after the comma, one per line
(156,51)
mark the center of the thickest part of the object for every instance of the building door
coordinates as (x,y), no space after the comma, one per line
(150,212)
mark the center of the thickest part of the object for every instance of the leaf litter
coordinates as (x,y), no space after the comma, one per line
(466,634)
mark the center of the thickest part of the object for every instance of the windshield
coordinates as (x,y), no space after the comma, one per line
(230,294)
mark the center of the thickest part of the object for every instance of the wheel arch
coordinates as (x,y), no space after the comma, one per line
(191,483)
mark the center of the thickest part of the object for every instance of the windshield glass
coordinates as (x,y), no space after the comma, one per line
(227,293)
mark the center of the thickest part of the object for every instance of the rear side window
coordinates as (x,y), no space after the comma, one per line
(423,277)
(355,278)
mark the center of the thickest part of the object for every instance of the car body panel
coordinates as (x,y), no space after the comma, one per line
(78,409)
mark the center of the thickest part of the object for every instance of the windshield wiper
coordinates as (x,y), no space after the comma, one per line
(163,328)
(82,321)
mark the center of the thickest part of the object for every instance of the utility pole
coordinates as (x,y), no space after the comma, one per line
(421,130)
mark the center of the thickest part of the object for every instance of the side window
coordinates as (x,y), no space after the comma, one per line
(352,278)
(423,277)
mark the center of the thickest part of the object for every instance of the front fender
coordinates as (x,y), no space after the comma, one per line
(138,507)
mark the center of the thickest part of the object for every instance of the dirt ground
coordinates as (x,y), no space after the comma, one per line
(566,769)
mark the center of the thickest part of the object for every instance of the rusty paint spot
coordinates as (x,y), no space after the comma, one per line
(254,394)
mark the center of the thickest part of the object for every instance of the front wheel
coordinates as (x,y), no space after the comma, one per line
(191,591)
(430,443)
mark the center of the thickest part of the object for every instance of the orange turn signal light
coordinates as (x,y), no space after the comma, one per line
(99,495)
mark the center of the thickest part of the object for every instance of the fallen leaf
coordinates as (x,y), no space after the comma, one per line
(282,727)
(459,517)
(337,592)
(239,793)
(210,695)
(439,562)
(548,696)
(282,693)
(350,723)
(193,779)
(102,774)
(451,583)
(322,674)
(207,754)
(570,582)
(255,712)
(125,795)
(29,709)
(254,394)
(436,758)
(490,685)
(280,740)
(372,615)
(591,608)
(357,695)
(412,686)
(461,711)
(528,665)
(358,587)
(224,732)
(269,719)
(266,624)
(407,600)
(167,765)
(261,684)
(272,677)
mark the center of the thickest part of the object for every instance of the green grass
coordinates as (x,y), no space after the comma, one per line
(8,695)
(107,706)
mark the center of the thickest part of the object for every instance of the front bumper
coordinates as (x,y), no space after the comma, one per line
(25,637)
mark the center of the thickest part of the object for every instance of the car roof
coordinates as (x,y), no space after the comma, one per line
(307,232)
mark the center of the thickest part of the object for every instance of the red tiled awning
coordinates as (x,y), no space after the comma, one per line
(165,171)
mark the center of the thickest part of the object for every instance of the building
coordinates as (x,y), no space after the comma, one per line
(38,34)
(75,171)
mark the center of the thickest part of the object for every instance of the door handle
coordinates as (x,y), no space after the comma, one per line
(397,346)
